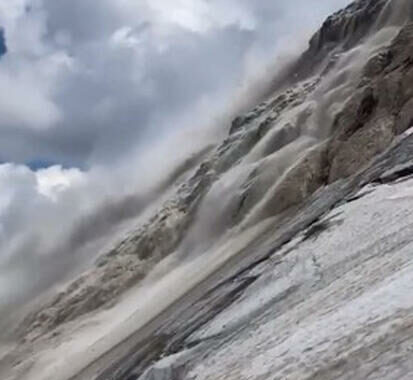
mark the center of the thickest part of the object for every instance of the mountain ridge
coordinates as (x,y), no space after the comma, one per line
(364,126)
(335,128)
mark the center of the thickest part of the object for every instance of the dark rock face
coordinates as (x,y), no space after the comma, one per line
(347,26)
(3,46)
(346,29)
(379,109)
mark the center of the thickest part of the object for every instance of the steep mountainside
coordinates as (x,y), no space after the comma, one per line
(302,213)
(341,104)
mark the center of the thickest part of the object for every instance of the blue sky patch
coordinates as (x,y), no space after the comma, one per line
(3,46)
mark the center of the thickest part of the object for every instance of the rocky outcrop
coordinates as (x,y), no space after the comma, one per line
(348,26)
(378,110)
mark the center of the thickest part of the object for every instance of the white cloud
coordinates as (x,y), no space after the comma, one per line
(51,182)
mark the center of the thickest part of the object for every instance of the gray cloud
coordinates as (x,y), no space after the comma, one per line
(110,73)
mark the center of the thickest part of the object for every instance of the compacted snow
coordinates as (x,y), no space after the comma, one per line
(329,305)
(334,302)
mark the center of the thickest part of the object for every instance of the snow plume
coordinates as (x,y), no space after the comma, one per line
(98,101)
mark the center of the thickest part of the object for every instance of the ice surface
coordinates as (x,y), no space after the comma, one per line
(351,287)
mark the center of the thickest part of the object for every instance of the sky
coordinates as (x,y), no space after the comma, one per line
(3,47)
(98,100)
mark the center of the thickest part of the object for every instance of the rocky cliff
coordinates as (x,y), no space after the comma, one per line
(311,165)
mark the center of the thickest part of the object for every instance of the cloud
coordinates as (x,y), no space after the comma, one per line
(107,92)
(92,77)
